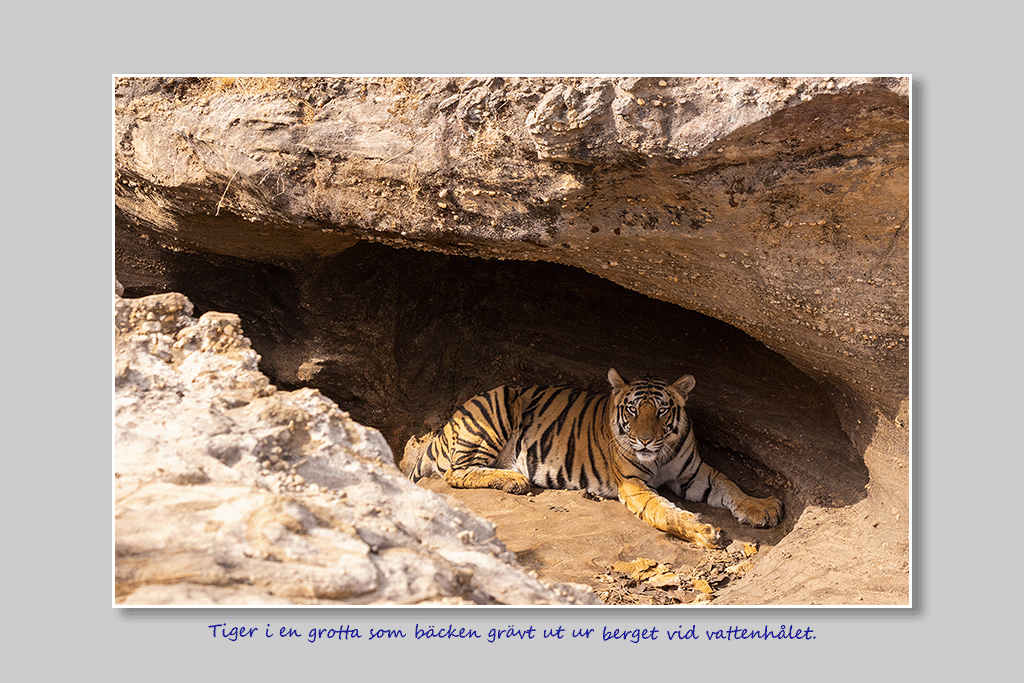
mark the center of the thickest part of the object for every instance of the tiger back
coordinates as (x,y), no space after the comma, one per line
(624,444)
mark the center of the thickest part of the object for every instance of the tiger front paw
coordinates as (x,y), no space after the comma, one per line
(707,536)
(689,528)
(759,512)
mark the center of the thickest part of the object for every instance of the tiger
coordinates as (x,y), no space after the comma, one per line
(623,444)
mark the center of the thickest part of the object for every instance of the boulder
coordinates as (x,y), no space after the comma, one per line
(228,491)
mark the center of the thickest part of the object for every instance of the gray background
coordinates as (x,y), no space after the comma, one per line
(59,268)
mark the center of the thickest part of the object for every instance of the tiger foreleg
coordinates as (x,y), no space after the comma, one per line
(487,478)
(757,512)
(664,516)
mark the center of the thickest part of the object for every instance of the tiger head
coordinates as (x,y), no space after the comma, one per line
(647,413)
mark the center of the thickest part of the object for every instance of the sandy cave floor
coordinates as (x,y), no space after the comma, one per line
(854,555)
(569,536)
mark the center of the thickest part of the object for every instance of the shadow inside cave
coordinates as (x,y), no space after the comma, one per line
(399,338)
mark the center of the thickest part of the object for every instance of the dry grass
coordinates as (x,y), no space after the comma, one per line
(257,85)
(491,142)
(246,85)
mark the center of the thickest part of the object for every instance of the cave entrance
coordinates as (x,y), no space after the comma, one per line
(399,338)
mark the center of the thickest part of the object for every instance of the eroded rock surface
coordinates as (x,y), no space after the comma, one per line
(228,491)
(779,206)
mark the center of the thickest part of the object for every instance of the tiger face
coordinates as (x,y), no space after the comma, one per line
(648,413)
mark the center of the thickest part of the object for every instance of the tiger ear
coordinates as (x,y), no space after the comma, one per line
(615,379)
(684,385)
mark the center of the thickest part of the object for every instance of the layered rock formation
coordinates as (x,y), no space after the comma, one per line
(778,206)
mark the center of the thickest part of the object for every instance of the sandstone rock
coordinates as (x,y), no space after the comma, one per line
(802,185)
(200,520)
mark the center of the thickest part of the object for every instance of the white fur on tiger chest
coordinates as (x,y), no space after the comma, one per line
(678,468)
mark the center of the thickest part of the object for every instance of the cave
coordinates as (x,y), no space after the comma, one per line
(400,337)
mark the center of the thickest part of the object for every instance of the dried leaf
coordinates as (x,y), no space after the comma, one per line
(740,568)
(665,579)
(634,567)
